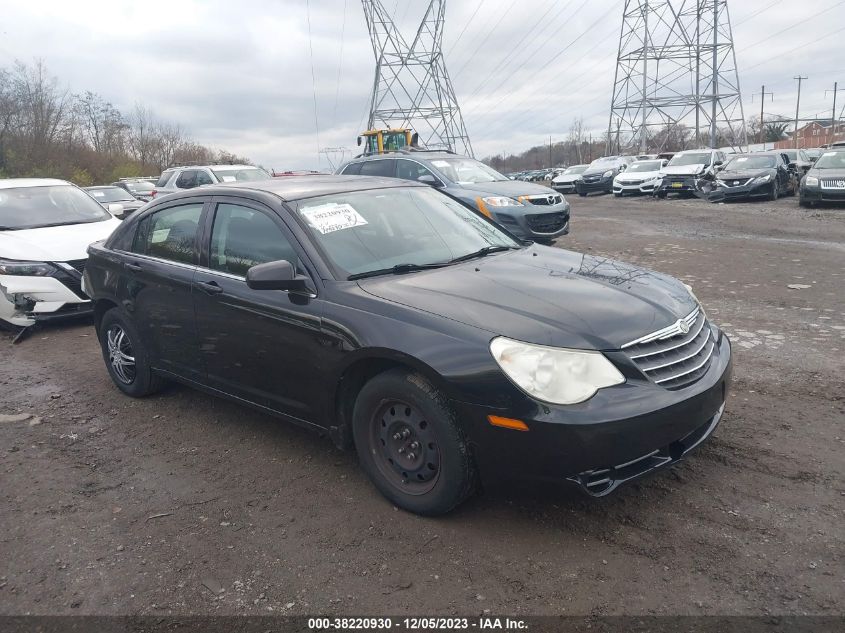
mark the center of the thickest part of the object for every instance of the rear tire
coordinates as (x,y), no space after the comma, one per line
(583,195)
(410,444)
(126,359)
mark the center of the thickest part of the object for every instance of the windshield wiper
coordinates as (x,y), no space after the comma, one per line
(483,252)
(398,269)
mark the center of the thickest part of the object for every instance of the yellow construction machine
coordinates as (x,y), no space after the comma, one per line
(389,140)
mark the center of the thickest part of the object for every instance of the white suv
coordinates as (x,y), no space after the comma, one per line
(188,177)
(46,226)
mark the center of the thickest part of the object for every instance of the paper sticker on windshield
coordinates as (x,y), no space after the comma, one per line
(440,163)
(741,160)
(229,179)
(328,218)
(98,194)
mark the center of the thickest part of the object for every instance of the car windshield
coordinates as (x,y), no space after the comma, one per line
(651,165)
(750,162)
(110,194)
(813,153)
(696,158)
(54,205)
(578,169)
(601,162)
(466,170)
(792,153)
(831,160)
(140,188)
(366,231)
(243,174)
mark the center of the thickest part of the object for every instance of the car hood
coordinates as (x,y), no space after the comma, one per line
(545,295)
(683,170)
(510,188)
(637,175)
(565,178)
(599,170)
(743,174)
(838,174)
(55,243)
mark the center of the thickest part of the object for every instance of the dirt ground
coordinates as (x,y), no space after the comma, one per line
(182,503)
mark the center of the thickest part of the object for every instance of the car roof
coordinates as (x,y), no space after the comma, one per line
(101,187)
(300,187)
(8,183)
(416,155)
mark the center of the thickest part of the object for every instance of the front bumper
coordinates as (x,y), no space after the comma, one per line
(27,300)
(621,434)
(536,222)
(741,192)
(593,186)
(564,187)
(677,184)
(646,187)
(820,194)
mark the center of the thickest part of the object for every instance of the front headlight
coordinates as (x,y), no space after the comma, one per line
(26,269)
(501,201)
(763,179)
(555,375)
(607,174)
(811,181)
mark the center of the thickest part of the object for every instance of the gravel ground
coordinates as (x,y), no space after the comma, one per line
(181,503)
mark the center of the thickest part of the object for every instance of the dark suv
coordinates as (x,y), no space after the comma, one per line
(598,177)
(527,210)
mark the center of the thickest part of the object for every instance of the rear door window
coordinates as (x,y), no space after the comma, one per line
(203,178)
(383,167)
(352,169)
(170,234)
(187,179)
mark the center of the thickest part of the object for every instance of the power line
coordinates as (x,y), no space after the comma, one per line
(585,32)
(756,13)
(339,64)
(313,77)
(792,26)
(511,56)
(483,42)
(466,26)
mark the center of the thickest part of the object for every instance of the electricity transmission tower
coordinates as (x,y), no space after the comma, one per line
(676,73)
(411,86)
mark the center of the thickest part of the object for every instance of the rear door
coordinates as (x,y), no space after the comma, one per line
(157,284)
(261,345)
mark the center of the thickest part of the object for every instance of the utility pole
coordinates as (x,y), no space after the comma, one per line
(763,94)
(836,89)
(797,107)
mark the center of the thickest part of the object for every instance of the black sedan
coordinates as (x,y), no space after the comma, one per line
(760,175)
(399,321)
(117,201)
(825,182)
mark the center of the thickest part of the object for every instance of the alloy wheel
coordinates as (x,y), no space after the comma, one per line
(121,357)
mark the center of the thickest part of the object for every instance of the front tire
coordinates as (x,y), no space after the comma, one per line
(410,444)
(773,194)
(126,359)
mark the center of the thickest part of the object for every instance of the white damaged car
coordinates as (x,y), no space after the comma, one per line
(46,226)
(640,177)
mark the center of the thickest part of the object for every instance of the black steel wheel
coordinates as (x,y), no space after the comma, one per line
(410,443)
(406,447)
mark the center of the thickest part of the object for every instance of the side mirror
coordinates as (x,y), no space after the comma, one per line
(115,209)
(278,275)
(813,159)
(717,163)
(430,180)
(359,141)
(623,167)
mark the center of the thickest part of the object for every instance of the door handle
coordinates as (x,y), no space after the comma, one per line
(210,287)
(133,266)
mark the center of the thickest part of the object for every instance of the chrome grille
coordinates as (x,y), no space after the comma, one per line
(833,183)
(736,183)
(678,355)
(544,200)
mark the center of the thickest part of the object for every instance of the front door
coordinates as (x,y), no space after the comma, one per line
(261,345)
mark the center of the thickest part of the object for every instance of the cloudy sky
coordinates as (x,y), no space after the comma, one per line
(237,73)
